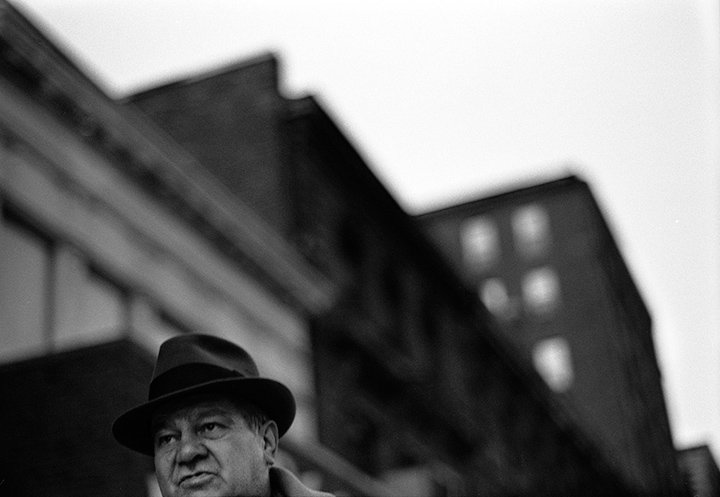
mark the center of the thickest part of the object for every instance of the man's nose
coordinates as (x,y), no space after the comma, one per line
(191,447)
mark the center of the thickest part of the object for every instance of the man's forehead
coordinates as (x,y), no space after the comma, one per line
(190,407)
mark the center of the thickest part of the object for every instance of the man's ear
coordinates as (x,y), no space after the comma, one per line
(269,434)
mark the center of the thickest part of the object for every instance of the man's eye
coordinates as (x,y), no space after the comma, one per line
(210,427)
(162,440)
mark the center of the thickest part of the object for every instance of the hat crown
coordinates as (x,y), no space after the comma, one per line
(187,359)
(203,365)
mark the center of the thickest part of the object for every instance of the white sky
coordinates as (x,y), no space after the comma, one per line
(451,99)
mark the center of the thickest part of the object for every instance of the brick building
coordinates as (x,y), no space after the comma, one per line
(413,383)
(544,261)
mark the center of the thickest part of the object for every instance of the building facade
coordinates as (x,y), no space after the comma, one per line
(414,385)
(544,261)
(113,238)
(700,471)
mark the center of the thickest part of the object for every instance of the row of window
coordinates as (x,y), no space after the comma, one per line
(480,236)
(52,297)
(540,288)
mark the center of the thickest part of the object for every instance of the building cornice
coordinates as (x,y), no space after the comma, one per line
(166,172)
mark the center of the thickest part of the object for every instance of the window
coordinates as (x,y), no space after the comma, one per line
(103,308)
(541,290)
(531,229)
(415,480)
(480,242)
(24,282)
(104,305)
(553,362)
(494,295)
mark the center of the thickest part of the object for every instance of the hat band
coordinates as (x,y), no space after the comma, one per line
(187,376)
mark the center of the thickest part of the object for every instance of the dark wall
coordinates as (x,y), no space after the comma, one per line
(616,391)
(56,418)
(409,369)
(230,121)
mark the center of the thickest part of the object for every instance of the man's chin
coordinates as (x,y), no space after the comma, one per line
(203,485)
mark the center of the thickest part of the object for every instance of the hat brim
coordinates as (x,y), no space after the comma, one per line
(133,429)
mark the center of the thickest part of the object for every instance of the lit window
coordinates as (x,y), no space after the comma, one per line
(480,242)
(553,362)
(531,228)
(495,296)
(541,290)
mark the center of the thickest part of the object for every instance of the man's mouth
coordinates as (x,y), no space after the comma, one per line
(197,479)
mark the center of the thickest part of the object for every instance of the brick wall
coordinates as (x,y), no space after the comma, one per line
(229,121)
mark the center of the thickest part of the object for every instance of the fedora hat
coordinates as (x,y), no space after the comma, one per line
(195,364)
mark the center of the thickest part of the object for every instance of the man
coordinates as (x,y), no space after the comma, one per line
(212,423)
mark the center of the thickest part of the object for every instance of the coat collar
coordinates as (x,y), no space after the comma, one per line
(286,484)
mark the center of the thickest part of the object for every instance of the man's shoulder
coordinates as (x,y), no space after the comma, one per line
(290,485)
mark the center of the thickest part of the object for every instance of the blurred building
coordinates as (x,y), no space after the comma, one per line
(543,259)
(413,383)
(217,204)
(700,471)
(113,238)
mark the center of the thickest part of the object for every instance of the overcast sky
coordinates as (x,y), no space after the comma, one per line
(447,100)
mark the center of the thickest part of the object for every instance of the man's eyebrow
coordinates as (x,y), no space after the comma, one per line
(161,419)
(213,411)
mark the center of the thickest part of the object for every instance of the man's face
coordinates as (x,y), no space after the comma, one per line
(205,448)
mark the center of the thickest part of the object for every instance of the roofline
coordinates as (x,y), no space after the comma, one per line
(138,149)
(194,77)
(530,191)
(356,171)
(19,23)
(501,194)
